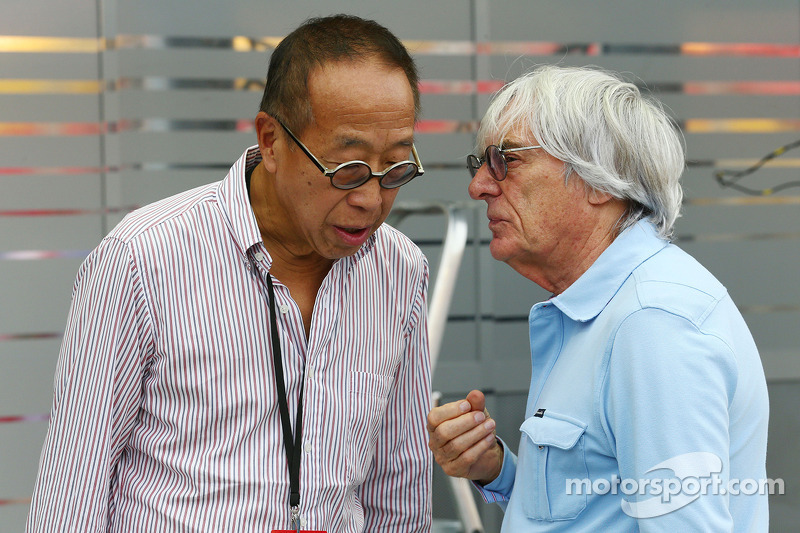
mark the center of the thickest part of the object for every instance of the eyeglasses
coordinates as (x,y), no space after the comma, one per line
(356,173)
(496,159)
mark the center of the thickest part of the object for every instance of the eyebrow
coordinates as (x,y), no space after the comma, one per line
(510,143)
(348,142)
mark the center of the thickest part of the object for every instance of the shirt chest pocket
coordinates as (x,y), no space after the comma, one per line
(551,453)
(368,394)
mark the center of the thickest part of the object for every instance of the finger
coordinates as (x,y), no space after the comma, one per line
(453,428)
(446,412)
(467,463)
(463,442)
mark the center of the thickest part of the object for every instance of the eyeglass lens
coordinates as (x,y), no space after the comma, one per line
(399,175)
(494,160)
(356,174)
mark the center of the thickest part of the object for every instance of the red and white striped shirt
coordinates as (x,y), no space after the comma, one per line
(165,415)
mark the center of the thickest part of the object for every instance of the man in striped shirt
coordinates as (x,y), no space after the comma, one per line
(252,355)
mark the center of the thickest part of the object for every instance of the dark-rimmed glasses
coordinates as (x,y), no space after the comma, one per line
(356,173)
(495,157)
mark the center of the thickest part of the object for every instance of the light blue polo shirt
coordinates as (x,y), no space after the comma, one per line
(648,405)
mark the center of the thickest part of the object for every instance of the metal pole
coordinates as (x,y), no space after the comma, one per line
(452,252)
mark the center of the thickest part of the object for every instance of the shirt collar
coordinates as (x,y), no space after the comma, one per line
(588,296)
(235,205)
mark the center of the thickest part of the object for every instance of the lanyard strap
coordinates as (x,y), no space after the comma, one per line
(292,448)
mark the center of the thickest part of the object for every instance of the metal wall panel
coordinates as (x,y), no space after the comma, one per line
(135,100)
(50,213)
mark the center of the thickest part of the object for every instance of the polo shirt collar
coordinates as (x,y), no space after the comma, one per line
(588,296)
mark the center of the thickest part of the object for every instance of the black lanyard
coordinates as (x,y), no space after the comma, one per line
(292,448)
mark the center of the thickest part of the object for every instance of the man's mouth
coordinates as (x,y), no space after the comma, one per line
(353,236)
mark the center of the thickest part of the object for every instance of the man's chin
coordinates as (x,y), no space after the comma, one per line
(499,251)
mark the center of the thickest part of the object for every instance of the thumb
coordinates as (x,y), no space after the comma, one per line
(477,400)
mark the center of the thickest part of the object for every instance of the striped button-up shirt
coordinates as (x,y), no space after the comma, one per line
(165,416)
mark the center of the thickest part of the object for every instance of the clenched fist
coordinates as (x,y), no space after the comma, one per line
(463,439)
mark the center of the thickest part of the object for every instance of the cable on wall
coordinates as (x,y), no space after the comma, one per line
(732,181)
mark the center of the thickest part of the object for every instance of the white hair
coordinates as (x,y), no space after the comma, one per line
(603,129)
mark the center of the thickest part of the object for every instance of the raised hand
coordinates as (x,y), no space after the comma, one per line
(463,439)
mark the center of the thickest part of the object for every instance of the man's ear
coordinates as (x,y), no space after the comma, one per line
(267,133)
(598,197)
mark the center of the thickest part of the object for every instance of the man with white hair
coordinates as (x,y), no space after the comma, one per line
(647,401)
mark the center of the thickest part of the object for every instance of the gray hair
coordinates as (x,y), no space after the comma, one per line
(604,130)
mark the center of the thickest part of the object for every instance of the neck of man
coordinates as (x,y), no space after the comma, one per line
(576,251)
(293,262)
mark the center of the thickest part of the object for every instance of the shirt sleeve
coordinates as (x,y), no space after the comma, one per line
(668,389)
(396,494)
(499,490)
(97,394)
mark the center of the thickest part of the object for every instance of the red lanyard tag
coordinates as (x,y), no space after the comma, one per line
(295,531)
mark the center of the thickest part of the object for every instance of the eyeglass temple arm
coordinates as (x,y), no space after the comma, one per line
(305,150)
(506,150)
(420,170)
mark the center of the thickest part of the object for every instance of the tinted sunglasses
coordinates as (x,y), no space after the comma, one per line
(495,158)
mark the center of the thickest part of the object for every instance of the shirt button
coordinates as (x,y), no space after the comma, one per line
(307,447)
(259,256)
(303,522)
(541,447)
(284,309)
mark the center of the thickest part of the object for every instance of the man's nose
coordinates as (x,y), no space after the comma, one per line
(483,185)
(367,196)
